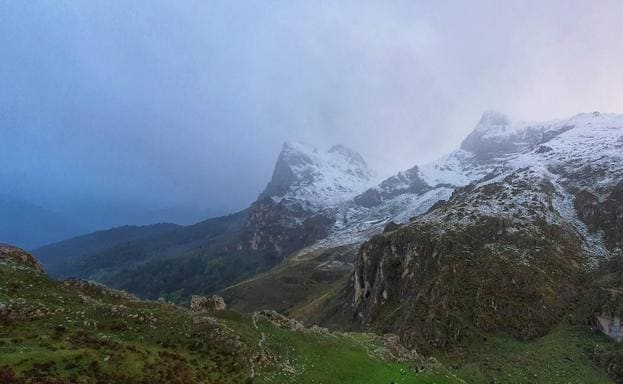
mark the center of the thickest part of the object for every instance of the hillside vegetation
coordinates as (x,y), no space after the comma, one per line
(81,332)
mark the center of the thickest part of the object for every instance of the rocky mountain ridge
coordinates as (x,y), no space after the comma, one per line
(583,152)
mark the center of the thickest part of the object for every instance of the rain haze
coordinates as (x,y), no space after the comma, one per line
(133,112)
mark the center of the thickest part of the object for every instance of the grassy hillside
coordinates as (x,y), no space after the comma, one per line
(108,252)
(299,279)
(77,332)
(570,354)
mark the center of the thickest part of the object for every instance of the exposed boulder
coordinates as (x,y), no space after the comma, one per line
(391,348)
(15,255)
(610,326)
(21,309)
(207,303)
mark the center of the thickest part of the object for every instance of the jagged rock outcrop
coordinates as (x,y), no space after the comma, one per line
(207,303)
(405,182)
(15,255)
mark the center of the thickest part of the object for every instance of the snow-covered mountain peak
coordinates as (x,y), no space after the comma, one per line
(317,178)
(493,123)
(496,135)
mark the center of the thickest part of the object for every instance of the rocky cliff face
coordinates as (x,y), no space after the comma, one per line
(402,183)
(282,228)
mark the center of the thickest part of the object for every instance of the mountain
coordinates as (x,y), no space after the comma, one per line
(98,241)
(523,162)
(174,262)
(495,148)
(534,203)
(512,232)
(31,226)
(293,211)
(530,227)
(319,201)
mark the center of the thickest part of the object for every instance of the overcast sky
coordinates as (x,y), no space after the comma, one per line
(110,106)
